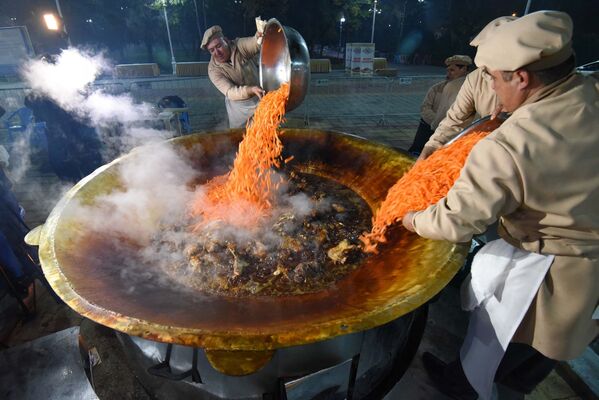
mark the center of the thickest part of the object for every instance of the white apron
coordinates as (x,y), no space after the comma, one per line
(503,282)
(239,111)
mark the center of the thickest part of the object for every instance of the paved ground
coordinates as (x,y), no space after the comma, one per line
(380,109)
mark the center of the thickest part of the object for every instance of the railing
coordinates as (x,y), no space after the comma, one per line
(334,101)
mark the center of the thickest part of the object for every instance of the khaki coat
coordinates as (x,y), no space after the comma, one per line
(430,104)
(475,98)
(448,96)
(234,79)
(538,173)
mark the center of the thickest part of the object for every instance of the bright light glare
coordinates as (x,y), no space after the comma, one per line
(342,19)
(51,22)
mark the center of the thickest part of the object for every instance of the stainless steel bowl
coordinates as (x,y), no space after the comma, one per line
(484,124)
(284,57)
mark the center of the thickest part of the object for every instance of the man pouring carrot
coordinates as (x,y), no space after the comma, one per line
(534,292)
(233,69)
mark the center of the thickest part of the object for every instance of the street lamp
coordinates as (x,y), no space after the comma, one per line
(341,21)
(51,22)
(375,11)
(170,42)
(54,24)
(527,9)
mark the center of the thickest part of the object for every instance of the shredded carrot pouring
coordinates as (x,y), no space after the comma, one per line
(425,184)
(245,194)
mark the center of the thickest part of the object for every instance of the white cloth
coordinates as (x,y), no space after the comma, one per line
(503,282)
(239,111)
(260,25)
(4,157)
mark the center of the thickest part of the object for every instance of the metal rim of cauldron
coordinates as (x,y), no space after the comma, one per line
(261,340)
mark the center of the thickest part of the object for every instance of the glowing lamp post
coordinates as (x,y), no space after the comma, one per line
(375,11)
(51,22)
(54,23)
(341,21)
(170,43)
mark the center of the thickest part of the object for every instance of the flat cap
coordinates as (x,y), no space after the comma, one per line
(537,41)
(212,32)
(490,27)
(458,59)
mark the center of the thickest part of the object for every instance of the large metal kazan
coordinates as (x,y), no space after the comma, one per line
(240,335)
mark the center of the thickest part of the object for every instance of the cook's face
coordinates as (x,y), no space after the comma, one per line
(509,92)
(455,71)
(219,49)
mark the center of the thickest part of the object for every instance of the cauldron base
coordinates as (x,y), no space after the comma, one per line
(361,365)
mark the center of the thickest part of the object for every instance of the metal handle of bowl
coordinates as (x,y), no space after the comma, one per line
(482,124)
(33,236)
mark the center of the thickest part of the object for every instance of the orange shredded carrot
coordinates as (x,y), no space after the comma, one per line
(245,194)
(425,184)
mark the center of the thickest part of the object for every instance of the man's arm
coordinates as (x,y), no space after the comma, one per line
(248,46)
(227,87)
(489,186)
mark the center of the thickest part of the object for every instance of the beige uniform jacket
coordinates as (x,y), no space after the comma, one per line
(430,104)
(538,173)
(475,98)
(235,78)
(448,96)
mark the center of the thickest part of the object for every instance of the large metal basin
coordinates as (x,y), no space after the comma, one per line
(284,57)
(84,270)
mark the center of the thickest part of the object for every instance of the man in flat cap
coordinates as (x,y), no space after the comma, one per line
(233,69)
(475,99)
(439,98)
(534,292)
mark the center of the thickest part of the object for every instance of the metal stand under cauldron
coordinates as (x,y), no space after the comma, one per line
(361,365)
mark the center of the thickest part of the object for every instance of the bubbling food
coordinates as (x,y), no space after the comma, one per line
(291,253)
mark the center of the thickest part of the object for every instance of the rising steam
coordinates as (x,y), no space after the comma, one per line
(69,82)
(120,122)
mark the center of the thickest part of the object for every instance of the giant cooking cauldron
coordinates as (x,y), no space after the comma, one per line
(240,335)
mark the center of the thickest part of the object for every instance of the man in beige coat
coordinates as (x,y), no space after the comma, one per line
(439,98)
(233,69)
(475,99)
(538,175)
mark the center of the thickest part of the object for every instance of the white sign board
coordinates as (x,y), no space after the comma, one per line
(362,58)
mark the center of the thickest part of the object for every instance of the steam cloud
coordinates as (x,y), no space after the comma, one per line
(153,209)
(156,176)
(69,82)
(120,121)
